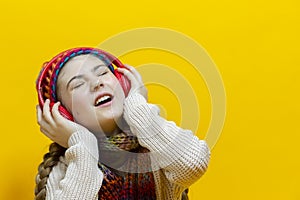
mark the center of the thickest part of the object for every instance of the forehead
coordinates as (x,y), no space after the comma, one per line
(78,65)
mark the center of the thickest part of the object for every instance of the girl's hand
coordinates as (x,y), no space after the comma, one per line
(135,79)
(54,125)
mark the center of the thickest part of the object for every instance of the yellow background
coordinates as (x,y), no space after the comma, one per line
(255,45)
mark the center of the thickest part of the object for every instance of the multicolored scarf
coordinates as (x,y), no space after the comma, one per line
(127,169)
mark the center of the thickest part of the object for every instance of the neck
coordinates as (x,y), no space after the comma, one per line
(116,127)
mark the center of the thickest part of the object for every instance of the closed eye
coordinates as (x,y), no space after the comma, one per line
(77,85)
(102,73)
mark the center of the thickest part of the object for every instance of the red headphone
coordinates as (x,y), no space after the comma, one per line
(46,81)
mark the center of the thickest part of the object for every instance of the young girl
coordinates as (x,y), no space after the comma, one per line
(109,142)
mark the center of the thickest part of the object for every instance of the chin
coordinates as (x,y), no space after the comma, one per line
(111,114)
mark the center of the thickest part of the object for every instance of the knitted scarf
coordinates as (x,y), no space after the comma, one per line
(127,169)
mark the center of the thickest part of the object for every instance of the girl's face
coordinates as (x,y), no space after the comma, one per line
(92,93)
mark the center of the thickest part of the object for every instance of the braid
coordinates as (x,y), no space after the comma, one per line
(185,194)
(49,161)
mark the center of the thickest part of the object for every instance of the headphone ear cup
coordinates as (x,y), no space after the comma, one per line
(63,111)
(124,82)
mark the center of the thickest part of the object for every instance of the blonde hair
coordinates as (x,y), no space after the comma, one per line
(50,159)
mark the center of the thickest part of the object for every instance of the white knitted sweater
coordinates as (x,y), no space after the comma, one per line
(180,155)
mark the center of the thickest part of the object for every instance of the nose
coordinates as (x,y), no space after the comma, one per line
(96,84)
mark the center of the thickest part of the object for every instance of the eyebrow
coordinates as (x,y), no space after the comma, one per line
(97,67)
(80,76)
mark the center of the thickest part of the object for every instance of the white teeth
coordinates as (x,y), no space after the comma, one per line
(102,99)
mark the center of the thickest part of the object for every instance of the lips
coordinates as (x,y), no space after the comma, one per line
(103,99)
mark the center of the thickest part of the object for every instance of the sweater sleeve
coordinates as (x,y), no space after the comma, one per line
(77,175)
(178,152)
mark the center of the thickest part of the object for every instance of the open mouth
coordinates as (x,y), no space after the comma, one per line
(103,99)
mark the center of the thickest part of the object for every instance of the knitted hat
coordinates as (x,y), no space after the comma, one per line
(47,79)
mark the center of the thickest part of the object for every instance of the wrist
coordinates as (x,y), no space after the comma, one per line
(85,138)
(134,99)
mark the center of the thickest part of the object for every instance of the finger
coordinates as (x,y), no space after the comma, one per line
(129,75)
(57,117)
(46,129)
(46,133)
(60,119)
(47,116)
(38,114)
(41,122)
(136,74)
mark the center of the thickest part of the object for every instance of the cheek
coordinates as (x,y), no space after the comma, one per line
(83,113)
(119,101)
(79,101)
(116,86)
(74,102)
(118,91)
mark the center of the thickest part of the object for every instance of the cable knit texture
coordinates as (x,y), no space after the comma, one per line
(77,176)
(178,157)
